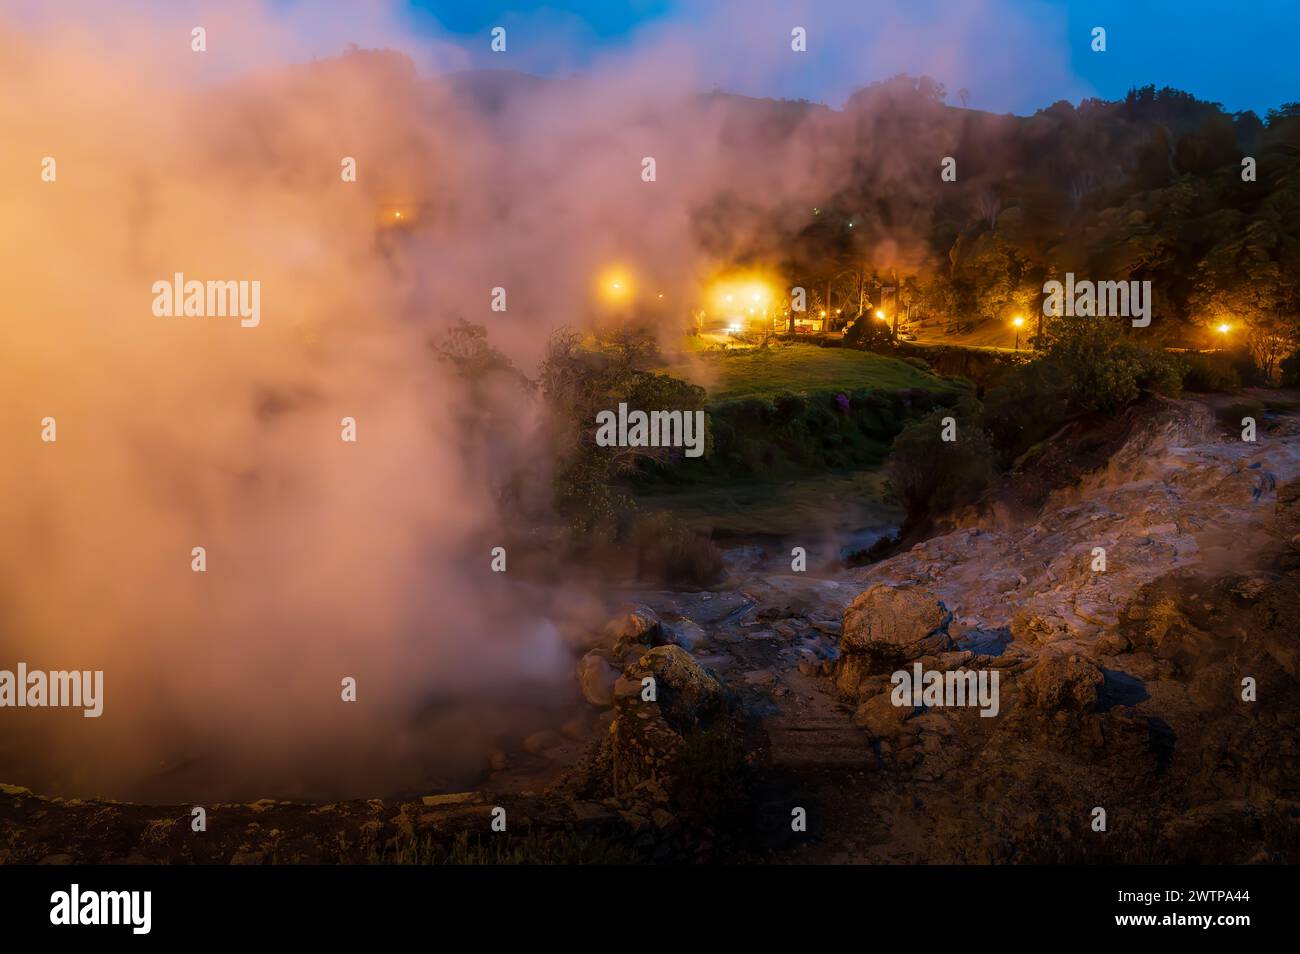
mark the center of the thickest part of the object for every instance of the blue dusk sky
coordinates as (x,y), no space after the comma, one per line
(1011,55)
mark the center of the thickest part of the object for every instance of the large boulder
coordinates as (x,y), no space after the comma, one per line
(886,626)
(910,619)
(688,694)
(646,736)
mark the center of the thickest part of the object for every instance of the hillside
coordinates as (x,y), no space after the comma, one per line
(851,202)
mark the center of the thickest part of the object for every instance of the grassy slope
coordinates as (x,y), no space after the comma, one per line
(798,368)
(792,493)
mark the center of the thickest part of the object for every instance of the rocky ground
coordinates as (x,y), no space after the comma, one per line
(1121,688)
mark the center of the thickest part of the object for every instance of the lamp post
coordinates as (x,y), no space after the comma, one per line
(1018,321)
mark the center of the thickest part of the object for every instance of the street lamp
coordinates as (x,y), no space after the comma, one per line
(1018,321)
(1223,328)
(615,285)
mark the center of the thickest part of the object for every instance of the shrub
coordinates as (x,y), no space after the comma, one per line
(592,509)
(790,406)
(1208,373)
(668,551)
(1027,406)
(1100,369)
(578,384)
(1252,376)
(932,475)
(868,335)
(1157,369)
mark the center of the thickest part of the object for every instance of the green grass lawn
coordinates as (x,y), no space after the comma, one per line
(801,368)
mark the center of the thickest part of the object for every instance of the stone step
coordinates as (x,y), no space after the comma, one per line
(818,741)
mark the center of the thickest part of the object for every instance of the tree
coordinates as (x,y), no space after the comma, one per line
(1252,278)
(577,384)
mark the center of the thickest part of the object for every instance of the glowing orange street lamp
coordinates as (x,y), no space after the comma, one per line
(1018,321)
(615,286)
(880,314)
(1224,328)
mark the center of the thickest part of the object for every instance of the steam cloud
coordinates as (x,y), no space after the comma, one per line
(325,559)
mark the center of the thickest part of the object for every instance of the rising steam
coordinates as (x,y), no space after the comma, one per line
(325,559)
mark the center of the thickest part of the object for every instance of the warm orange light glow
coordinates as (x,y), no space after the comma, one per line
(1223,329)
(730,294)
(615,285)
(880,314)
(1018,320)
(393,214)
